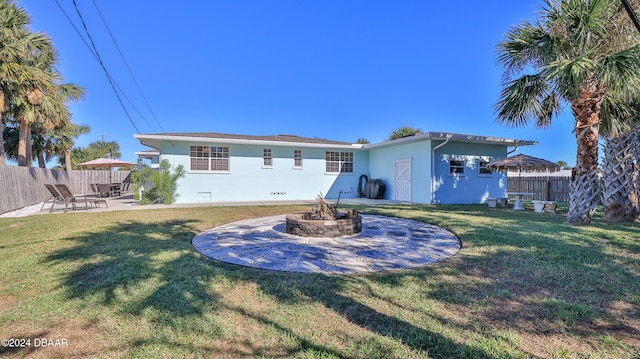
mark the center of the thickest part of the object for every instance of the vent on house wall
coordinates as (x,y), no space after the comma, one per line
(204,196)
(278,193)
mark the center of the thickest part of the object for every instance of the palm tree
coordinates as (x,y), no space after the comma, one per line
(108,149)
(64,139)
(563,165)
(403,131)
(17,43)
(574,53)
(50,113)
(40,143)
(46,144)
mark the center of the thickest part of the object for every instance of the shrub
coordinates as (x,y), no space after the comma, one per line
(159,185)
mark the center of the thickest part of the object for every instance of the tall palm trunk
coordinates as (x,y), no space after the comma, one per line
(4,103)
(636,148)
(42,163)
(3,161)
(23,140)
(585,189)
(29,145)
(620,193)
(67,159)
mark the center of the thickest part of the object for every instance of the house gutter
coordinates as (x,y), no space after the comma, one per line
(433,166)
(512,151)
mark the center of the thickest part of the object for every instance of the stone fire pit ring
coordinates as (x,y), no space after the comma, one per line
(385,244)
(301,224)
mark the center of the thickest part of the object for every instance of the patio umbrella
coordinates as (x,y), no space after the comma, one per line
(106,163)
(522,163)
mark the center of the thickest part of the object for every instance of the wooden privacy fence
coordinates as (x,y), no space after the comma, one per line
(543,188)
(24,186)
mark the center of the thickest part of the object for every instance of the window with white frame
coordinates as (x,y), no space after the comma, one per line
(199,158)
(483,170)
(205,158)
(219,158)
(297,158)
(456,167)
(339,162)
(267,158)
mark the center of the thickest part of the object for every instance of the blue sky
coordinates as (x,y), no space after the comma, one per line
(339,70)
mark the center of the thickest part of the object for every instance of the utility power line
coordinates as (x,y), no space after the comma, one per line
(127,65)
(107,72)
(94,51)
(632,14)
(97,55)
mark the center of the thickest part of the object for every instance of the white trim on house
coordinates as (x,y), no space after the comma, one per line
(155,140)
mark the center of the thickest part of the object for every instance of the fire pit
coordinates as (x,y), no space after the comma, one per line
(324,221)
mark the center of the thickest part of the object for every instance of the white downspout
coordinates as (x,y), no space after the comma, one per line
(514,150)
(433,166)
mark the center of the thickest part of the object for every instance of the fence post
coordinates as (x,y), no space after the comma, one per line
(547,196)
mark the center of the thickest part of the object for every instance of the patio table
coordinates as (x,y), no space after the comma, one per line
(517,206)
(115,189)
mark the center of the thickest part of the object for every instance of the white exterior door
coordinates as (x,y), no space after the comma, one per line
(403,180)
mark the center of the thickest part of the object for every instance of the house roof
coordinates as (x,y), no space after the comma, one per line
(148,154)
(457,137)
(154,140)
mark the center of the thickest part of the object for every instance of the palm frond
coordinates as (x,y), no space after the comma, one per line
(521,47)
(520,100)
(587,21)
(615,115)
(549,107)
(71,91)
(621,71)
(571,74)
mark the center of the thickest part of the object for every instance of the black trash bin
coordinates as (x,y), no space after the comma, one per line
(374,189)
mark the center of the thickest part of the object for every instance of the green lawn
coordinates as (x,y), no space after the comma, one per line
(129,283)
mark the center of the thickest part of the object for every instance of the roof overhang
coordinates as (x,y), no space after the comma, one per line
(155,141)
(443,136)
(148,154)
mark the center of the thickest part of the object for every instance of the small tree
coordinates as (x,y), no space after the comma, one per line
(404,131)
(563,165)
(163,183)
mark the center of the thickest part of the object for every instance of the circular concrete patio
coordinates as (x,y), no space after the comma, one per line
(385,243)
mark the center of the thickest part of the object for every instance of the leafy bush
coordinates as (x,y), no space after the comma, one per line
(159,186)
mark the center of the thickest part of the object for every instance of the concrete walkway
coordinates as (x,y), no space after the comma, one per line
(126,203)
(386,243)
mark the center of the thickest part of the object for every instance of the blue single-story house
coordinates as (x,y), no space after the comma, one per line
(433,167)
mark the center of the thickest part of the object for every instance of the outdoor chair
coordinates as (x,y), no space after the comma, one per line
(98,196)
(70,198)
(94,189)
(104,189)
(56,197)
(125,188)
